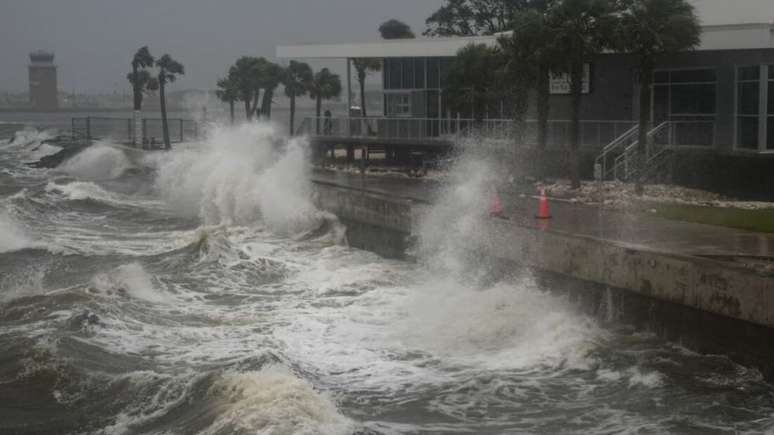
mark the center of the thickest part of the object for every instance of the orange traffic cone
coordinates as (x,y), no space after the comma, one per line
(495,207)
(543,206)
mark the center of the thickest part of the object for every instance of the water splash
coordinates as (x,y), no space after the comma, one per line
(13,236)
(98,162)
(241,176)
(275,401)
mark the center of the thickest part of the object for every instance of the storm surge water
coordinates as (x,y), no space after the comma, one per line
(200,291)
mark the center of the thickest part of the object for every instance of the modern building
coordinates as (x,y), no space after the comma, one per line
(43,83)
(712,107)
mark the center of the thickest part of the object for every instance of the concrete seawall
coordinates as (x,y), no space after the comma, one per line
(713,306)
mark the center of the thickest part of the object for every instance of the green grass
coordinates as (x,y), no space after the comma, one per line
(761,221)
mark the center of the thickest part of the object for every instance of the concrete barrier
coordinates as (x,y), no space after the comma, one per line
(726,307)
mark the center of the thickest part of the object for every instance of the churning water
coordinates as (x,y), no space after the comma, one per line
(200,291)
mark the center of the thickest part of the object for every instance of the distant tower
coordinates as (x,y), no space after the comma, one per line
(43,88)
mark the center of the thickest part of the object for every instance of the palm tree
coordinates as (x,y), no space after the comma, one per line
(324,86)
(395,29)
(297,78)
(140,80)
(649,29)
(532,56)
(363,66)
(139,77)
(246,74)
(582,29)
(272,76)
(228,93)
(169,69)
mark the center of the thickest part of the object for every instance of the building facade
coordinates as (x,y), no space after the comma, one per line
(43,81)
(717,101)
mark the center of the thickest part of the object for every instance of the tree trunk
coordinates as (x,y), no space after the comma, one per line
(576,87)
(231,110)
(319,111)
(136,89)
(292,115)
(254,109)
(248,115)
(363,112)
(646,78)
(268,94)
(164,125)
(543,108)
(137,103)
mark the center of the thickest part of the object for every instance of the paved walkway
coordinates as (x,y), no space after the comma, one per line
(639,229)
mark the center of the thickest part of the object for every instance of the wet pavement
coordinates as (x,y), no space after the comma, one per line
(633,228)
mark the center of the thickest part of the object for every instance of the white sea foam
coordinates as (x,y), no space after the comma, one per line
(648,379)
(241,175)
(98,162)
(510,325)
(273,401)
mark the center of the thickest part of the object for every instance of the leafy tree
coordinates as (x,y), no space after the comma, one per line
(140,78)
(228,92)
(246,75)
(169,69)
(532,55)
(473,79)
(324,86)
(395,29)
(363,66)
(298,75)
(474,17)
(582,29)
(649,29)
(271,77)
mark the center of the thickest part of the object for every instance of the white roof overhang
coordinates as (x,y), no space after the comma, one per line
(714,37)
(439,47)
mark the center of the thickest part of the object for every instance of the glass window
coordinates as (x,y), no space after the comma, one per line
(444,69)
(749,73)
(433,79)
(394,73)
(399,104)
(408,73)
(770,141)
(661,77)
(748,98)
(693,76)
(771,72)
(771,97)
(747,132)
(419,72)
(693,99)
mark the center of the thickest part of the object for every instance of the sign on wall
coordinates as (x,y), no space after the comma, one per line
(560,83)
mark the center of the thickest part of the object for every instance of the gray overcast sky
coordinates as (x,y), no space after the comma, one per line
(95,39)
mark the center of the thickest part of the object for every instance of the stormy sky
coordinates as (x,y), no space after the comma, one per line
(94,39)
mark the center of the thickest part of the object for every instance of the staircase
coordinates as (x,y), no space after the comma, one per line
(618,159)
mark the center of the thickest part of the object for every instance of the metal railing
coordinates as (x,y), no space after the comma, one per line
(593,133)
(661,141)
(122,129)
